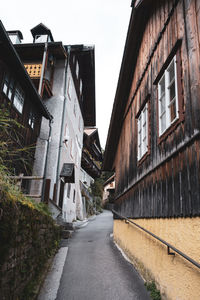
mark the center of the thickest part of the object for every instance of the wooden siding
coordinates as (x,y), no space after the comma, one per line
(166,183)
(27,135)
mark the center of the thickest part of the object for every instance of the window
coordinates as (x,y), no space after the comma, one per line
(69,89)
(74,196)
(18,100)
(168,97)
(68,190)
(143,132)
(31,119)
(81,86)
(77,69)
(13,92)
(75,107)
(8,86)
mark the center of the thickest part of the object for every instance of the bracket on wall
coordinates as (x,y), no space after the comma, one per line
(168,251)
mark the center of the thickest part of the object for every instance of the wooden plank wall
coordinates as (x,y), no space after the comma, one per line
(26,135)
(167,182)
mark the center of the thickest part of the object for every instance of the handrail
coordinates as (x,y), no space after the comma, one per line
(169,246)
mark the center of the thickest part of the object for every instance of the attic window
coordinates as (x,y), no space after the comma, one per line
(41,38)
(77,69)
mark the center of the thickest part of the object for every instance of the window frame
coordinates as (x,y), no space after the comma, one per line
(176,51)
(144,106)
(17,97)
(13,91)
(164,109)
(142,132)
(32,119)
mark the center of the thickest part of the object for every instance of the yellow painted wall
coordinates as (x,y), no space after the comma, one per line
(174,276)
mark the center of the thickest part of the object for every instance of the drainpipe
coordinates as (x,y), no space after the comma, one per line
(50,121)
(45,164)
(62,121)
(43,68)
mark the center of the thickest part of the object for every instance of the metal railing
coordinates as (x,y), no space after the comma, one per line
(169,246)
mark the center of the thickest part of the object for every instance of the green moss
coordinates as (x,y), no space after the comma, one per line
(155,293)
(28,237)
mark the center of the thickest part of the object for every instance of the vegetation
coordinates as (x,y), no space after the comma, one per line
(11,191)
(155,293)
(97,186)
(12,151)
(97,190)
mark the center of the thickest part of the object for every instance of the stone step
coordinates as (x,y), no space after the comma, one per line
(66,234)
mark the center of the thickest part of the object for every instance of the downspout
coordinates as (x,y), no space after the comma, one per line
(43,68)
(45,164)
(62,121)
(50,121)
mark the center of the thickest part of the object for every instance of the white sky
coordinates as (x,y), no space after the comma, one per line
(101,23)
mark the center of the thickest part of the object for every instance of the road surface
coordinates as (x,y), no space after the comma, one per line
(95,269)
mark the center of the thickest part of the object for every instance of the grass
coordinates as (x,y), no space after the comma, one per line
(154,292)
(12,192)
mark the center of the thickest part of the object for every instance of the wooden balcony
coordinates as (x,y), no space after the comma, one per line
(33,70)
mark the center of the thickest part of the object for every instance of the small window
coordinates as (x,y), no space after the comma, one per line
(69,89)
(168,97)
(68,190)
(72,149)
(77,69)
(143,132)
(81,87)
(75,108)
(8,86)
(31,119)
(18,101)
(74,196)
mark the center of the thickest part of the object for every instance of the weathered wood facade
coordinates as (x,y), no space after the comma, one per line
(16,86)
(165,182)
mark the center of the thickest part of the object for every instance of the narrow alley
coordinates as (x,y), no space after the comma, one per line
(95,269)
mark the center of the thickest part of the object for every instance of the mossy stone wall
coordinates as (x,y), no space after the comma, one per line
(28,238)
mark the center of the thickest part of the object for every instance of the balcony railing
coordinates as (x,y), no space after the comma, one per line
(33,70)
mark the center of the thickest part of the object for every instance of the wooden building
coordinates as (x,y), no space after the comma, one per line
(19,96)
(153,140)
(91,155)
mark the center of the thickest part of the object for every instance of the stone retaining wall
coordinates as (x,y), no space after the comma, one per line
(27,238)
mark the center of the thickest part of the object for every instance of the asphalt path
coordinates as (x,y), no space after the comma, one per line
(95,269)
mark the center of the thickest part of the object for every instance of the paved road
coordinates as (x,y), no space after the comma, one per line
(95,269)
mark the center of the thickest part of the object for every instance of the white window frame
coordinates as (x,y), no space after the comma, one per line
(81,86)
(142,127)
(31,119)
(77,69)
(164,102)
(18,101)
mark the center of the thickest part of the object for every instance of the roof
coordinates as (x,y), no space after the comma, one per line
(12,59)
(36,50)
(18,32)
(41,29)
(85,56)
(89,131)
(135,32)
(109,180)
(91,135)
